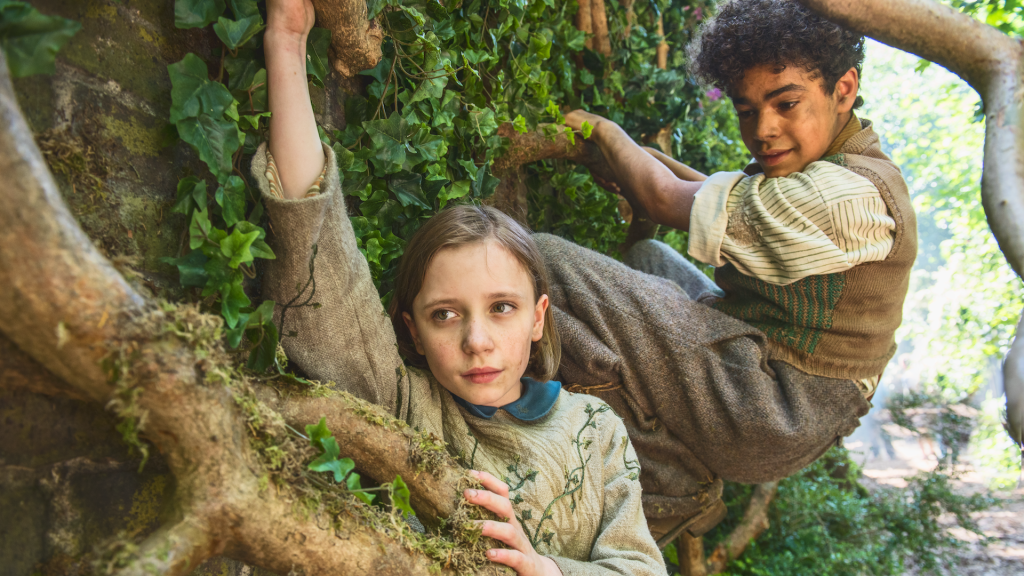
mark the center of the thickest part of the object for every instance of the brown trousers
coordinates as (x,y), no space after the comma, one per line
(701,400)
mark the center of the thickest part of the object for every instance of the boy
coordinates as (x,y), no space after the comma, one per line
(753,378)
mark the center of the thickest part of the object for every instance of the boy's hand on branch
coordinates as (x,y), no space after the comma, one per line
(290,17)
(522,557)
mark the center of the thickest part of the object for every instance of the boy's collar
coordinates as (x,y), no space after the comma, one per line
(537,400)
(849,131)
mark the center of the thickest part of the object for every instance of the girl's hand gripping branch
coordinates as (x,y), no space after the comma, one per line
(294,141)
(521,557)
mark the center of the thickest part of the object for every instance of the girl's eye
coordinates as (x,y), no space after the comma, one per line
(442,315)
(503,308)
(744,113)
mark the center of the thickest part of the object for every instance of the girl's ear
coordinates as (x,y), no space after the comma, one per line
(538,317)
(411,325)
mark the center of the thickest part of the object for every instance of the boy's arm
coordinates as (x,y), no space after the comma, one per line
(664,195)
(337,330)
(294,142)
(682,171)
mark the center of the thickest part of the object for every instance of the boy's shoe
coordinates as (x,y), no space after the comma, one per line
(666,530)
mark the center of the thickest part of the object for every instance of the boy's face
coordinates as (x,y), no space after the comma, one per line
(786,119)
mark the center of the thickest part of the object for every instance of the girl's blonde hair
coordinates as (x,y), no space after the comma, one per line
(459,226)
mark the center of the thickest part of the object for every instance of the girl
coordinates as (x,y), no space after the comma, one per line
(471,314)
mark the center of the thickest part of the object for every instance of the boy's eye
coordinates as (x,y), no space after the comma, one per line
(442,315)
(502,308)
(788,105)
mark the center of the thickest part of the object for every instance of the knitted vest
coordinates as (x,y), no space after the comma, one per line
(838,325)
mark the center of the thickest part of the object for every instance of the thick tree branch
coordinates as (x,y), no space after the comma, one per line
(435,479)
(991,63)
(355,39)
(167,377)
(755,522)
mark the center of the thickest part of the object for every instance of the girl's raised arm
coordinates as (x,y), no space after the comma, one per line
(334,326)
(294,142)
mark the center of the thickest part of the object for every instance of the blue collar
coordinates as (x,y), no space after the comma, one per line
(537,400)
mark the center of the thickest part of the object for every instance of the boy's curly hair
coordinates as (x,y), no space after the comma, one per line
(749,33)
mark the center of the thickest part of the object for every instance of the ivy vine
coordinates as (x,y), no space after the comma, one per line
(424,132)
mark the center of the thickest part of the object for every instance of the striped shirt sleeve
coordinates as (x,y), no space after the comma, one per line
(823,220)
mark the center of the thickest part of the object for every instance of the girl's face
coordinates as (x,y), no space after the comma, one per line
(474,319)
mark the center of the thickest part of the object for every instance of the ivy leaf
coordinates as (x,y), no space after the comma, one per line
(232,300)
(329,462)
(519,124)
(373,7)
(587,129)
(196,13)
(244,8)
(400,496)
(253,120)
(381,71)
(356,488)
(31,40)
(215,139)
(192,92)
(318,432)
(433,86)
(317,43)
(265,337)
(408,189)
(234,33)
(191,192)
(484,184)
(484,122)
(199,229)
(426,147)
(236,247)
(541,46)
(263,313)
(389,138)
(191,271)
(231,197)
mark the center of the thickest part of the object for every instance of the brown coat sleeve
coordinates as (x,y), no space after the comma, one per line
(348,338)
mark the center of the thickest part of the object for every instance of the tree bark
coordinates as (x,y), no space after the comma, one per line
(991,63)
(164,369)
(754,523)
(355,39)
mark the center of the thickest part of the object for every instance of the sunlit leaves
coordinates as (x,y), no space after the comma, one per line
(31,40)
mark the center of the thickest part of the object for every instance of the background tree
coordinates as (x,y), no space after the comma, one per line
(463,102)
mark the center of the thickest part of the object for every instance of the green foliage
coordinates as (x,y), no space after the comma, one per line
(824,522)
(31,40)
(965,300)
(221,120)
(340,468)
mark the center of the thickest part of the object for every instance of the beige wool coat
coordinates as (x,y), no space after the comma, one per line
(574,474)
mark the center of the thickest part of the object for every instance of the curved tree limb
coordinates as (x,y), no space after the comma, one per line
(755,522)
(355,39)
(991,63)
(165,372)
